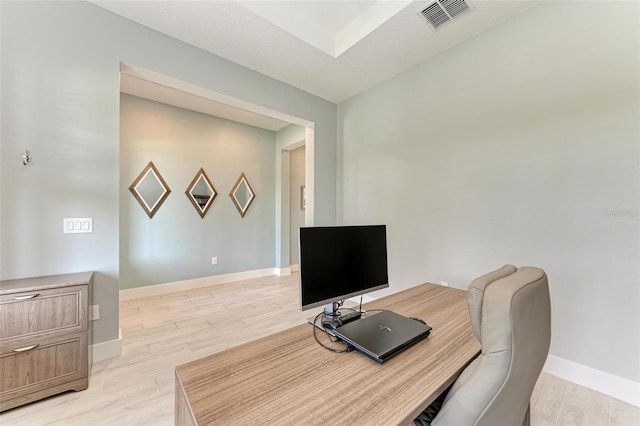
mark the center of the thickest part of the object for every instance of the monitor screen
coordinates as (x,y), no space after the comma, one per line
(339,262)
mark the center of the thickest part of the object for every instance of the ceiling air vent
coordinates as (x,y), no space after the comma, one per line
(455,7)
(440,12)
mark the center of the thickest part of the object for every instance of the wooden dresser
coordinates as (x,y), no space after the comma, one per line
(44,337)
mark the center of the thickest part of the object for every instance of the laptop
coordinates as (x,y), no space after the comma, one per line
(382,335)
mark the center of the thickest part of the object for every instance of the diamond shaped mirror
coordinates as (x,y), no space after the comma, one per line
(150,189)
(242,194)
(201,192)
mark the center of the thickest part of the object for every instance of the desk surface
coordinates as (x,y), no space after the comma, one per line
(287,378)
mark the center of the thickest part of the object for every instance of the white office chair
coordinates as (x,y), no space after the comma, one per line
(510,313)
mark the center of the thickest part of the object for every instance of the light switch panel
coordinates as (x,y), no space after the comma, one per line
(77,225)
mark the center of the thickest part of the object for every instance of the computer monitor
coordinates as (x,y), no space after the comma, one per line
(338,262)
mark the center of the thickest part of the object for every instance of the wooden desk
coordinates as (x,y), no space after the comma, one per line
(287,378)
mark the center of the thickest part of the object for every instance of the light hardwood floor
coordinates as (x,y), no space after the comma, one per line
(161,332)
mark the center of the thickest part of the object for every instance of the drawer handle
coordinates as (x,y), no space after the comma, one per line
(27,348)
(28,296)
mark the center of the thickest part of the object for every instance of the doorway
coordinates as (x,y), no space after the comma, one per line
(178,93)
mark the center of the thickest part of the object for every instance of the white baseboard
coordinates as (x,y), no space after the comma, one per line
(281,272)
(160,289)
(295,268)
(616,387)
(106,350)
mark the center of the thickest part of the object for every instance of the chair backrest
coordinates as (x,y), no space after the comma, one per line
(476,294)
(511,314)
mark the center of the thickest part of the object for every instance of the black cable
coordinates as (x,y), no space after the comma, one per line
(315,336)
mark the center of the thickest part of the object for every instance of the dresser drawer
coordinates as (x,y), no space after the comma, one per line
(51,362)
(43,311)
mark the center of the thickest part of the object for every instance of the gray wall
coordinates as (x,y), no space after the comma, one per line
(60,98)
(296,213)
(177,244)
(519,146)
(287,139)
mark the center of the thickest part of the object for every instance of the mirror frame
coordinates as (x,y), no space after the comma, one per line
(242,210)
(150,211)
(201,211)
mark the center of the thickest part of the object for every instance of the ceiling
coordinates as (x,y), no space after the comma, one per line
(333,49)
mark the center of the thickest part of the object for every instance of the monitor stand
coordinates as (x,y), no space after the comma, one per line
(331,311)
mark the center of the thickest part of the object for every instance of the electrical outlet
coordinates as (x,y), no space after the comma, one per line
(214,260)
(444,283)
(94,312)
